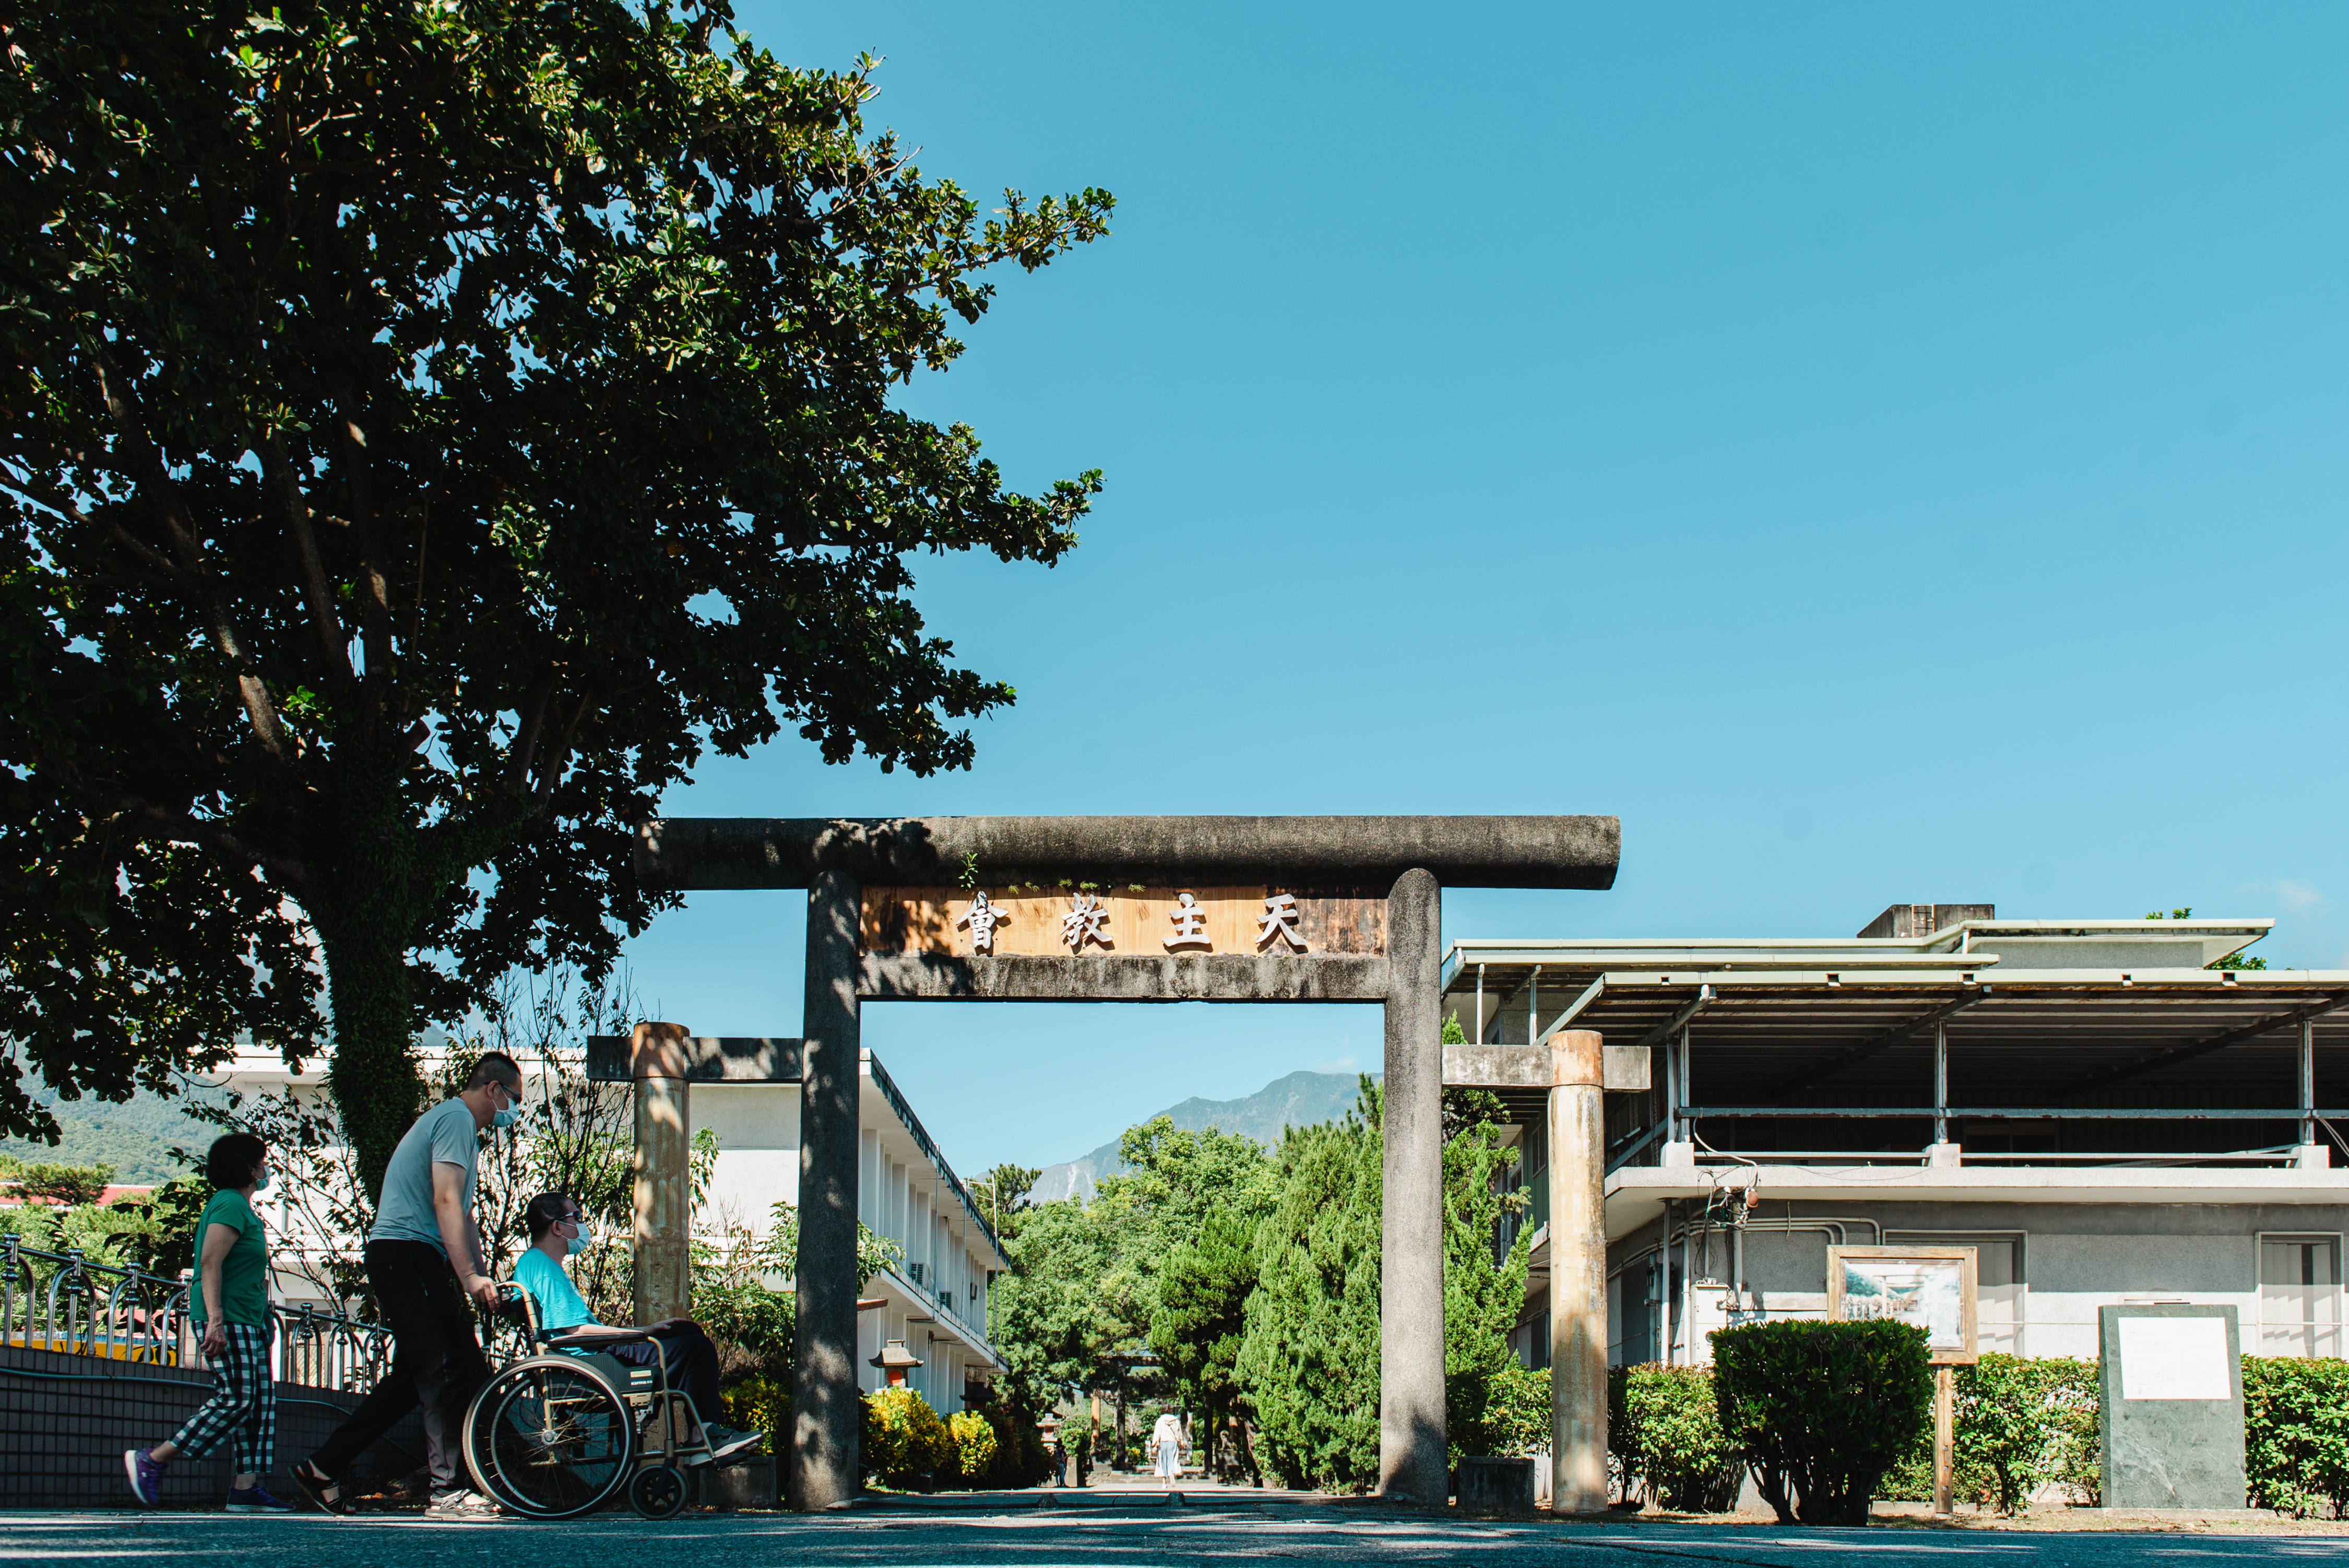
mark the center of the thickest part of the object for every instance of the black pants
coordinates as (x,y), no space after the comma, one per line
(436,1362)
(691,1361)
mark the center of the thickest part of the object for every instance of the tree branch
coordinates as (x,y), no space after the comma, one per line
(150,820)
(278,473)
(533,721)
(121,403)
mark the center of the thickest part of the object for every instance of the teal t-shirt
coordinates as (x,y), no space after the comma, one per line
(560,1305)
(244,1273)
(445,1135)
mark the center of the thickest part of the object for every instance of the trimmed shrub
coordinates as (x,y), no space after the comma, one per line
(2296,1434)
(905,1445)
(1822,1411)
(1663,1430)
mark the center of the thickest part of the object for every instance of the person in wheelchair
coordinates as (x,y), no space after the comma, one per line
(557,1229)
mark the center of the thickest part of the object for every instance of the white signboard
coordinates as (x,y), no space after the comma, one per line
(2175,1358)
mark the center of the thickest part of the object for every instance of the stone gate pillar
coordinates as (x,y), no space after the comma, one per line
(827,1417)
(1577,1272)
(1410,1273)
(664,1172)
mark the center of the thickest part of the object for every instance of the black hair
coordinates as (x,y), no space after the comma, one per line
(232,1159)
(495,1067)
(545,1209)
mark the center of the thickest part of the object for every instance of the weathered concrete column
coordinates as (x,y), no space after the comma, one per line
(1577,1272)
(1410,1271)
(827,1418)
(664,1166)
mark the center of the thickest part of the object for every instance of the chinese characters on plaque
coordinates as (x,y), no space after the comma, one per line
(1085,924)
(981,917)
(1087,920)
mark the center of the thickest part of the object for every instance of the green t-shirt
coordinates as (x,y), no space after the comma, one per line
(244,1273)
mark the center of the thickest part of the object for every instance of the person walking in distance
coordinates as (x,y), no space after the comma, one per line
(424,1258)
(1166,1449)
(230,1304)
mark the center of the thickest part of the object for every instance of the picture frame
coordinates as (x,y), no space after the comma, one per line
(1933,1287)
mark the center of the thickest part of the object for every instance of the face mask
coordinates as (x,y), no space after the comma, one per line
(260,1182)
(576,1244)
(507,1117)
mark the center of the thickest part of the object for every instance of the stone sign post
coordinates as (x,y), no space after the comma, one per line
(2173,1406)
(1136,909)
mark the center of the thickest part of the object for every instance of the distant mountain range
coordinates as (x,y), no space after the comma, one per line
(1301,1100)
(136,1138)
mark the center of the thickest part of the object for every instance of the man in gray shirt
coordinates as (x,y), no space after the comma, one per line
(424,1250)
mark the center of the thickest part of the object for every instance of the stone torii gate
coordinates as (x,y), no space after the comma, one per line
(1158,909)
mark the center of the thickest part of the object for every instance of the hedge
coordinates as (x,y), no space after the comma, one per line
(1822,1411)
(905,1445)
(2296,1434)
(2021,1425)
(1663,1431)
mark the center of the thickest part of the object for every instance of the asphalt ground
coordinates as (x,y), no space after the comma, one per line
(1103,1538)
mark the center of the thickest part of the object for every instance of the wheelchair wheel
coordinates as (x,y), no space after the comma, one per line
(550,1437)
(658,1491)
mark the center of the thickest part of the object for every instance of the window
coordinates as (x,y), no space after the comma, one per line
(2299,1295)
(1535,1152)
(2001,1299)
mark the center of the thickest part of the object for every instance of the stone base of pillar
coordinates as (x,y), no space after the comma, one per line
(1943,1156)
(1678,1157)
(2312,1157)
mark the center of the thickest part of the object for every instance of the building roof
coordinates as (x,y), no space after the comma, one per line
(2058,1014)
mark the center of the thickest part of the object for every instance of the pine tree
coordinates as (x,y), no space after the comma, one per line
(1311,1357)
(1202,1319)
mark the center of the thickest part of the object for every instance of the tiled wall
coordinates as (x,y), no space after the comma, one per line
(62,1432)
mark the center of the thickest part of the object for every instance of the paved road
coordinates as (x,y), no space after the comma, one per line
(1195,1537)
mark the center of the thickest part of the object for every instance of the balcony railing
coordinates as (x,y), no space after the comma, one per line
(69,1302)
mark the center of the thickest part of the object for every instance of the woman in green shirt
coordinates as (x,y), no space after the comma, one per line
(231,1300)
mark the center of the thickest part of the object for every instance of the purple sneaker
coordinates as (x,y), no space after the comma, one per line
(255,1498)
(146,1476)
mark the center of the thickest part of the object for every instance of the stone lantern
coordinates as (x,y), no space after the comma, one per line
(894,1360)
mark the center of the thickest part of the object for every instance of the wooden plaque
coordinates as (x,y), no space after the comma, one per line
(1030,921)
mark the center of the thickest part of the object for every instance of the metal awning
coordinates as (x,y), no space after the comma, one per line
(1862,1034)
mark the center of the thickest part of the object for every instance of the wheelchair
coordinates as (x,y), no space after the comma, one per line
(557,1433)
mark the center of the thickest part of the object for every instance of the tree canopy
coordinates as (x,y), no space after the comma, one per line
(425,428)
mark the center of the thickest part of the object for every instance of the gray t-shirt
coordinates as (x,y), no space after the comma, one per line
(445,1135)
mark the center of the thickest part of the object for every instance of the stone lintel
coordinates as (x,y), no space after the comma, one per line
(1204,978)
(707,1058)
(689,852)
(1531,1067)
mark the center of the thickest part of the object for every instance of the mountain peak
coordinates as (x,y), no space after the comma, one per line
(1297,1099)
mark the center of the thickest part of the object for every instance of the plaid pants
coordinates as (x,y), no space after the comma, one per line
(244,1405)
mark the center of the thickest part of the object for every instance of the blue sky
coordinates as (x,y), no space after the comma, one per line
(1881,453)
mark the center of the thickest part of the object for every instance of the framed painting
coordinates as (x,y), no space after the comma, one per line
(1930,1287)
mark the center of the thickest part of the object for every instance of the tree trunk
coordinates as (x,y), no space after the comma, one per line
(373,1074)
(372,904)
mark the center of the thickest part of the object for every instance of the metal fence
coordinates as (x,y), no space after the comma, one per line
(69,1302)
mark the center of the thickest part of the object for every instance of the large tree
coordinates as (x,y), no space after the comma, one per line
(426,426)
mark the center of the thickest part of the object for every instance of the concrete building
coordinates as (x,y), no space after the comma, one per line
(2100,1110)
(937,1300)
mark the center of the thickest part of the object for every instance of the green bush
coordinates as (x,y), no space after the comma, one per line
(975,1447)
(1822,1411)
(72,1185)
(760,1404)
(2296,1434)
(1663,1427)
(2019,1425)
(905,1444)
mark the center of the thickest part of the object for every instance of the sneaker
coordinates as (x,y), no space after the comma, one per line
(256,1499)
(315,1484)
(460,1505)
(146,1476)
(727,1445)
